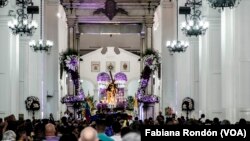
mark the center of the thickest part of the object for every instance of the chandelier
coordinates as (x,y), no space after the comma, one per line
(41,45)
(223,3)
(195,25)
(177,46)
(22,25)
(3,3)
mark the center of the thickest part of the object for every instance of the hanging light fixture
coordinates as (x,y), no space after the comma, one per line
(3,3)
(177,46)
(195,25)
(223,3)
(41,45)
(22,25)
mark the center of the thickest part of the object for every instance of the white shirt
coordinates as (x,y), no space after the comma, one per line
(117,137)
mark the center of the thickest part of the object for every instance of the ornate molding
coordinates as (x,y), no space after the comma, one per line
(110,9)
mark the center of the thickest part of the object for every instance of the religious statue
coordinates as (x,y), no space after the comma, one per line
(111,94)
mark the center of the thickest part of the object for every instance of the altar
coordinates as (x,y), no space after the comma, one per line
(111,91)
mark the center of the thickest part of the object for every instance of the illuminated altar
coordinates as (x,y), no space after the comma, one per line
(111,91)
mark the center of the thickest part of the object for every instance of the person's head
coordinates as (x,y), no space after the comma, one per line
(116,126)
(12,125)
(136,118)
(242,121)
(216,121)
(64,119)
(21,133)
(160,113)
(132,137)
(202,115)
(9,136)
(50,130)
(225,122)
(88,134)
(100,126)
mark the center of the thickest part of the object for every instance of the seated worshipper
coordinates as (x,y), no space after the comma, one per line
(100,127)
(88,134)
(9,136)
(22,134)
(50,132)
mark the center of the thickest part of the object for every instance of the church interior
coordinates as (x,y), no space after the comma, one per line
(79,58)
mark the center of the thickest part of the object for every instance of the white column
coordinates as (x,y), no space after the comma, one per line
(236,62)
(228,58)
(168,69)
(242,66)
(62,46)
(56,31)
(24,55)
(14,74)
(149,33)
(194,73)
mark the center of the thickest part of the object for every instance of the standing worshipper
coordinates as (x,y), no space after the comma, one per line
(100,127)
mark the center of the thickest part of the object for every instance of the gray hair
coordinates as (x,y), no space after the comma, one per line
(132,137)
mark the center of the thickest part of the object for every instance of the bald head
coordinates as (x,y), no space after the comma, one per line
(88,134)
(50,130)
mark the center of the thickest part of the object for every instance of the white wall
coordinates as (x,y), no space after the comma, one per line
(132,87)
(98,40)
(88,87)
(85,65)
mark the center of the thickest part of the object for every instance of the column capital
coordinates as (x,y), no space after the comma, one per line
(149,21)
(72,22)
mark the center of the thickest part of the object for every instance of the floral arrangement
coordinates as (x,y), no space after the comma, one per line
(152,59)
(103,77)
(188,104)
(149,99)
(152,62)
(74,99)
(32,103)
(69,62)
(120,76)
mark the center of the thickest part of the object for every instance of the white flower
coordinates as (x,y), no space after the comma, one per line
(72,62)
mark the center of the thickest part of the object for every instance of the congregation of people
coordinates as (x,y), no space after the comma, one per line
(101,127)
